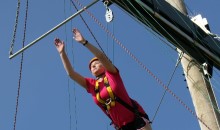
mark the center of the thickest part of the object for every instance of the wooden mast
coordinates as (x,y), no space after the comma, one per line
(199,86)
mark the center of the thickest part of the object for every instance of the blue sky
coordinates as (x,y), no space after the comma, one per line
(50,101)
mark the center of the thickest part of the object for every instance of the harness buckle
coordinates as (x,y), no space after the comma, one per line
(108,101)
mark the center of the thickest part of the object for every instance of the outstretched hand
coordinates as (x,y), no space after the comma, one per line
(78,36)
(59,45)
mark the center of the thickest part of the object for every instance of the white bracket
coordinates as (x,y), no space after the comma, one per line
(205,68)
(201,22)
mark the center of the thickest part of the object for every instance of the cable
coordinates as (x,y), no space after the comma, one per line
(198,38)
(15,28)
(113,45)
(155,20)
(206,79)
(21,68)
(178,61)
(68,80)
(146,69)
(154,31)
(90,33)
(87,25)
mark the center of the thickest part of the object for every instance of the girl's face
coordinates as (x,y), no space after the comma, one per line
(97,68)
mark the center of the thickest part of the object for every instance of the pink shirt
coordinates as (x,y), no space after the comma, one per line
(119,114)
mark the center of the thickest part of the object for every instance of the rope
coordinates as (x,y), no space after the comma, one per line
(160,25)
(107,42)
(145,68)
(87,24)
(107,38)
(15,28)
(74,91)
(199,37)
(178,61)
(68,81)
(21,67)
(152,27)
(155,32)
(206,79)
(92,36)
(113,45)
(193,13)
(89,28)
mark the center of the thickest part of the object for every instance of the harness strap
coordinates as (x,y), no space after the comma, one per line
(110,102)
(107,104)
(110,92)
(133,109)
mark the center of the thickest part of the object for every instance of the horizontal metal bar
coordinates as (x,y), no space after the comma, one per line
(53,29)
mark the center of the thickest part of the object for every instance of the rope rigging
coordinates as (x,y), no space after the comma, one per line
(105,4)
(92,34)
(22,58)
(155,32)
(15,28)
(146,69)
(162,98)
(184,50)
(107,41)
(68,80)
(191,12)
(87,24)
(152,27)
(117,41)
(144,19)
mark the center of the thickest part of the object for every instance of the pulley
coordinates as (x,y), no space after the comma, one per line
(109,14)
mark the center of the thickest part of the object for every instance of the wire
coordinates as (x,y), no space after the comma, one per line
(154,31)
(15,28)
(199,35)
(89,28)
(21,68)
(112,42)
(207,80)
(140,63)
(155,20)
(90,31)
(113,45)
(178,61)
(146,69)
(195,35)
(68,80)
(87,25)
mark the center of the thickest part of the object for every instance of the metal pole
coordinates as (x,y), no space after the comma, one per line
(53,29)
(199,87)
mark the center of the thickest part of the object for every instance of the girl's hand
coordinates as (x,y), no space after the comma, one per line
(78,36)
(59,45)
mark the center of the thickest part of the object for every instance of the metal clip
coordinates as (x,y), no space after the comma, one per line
(108,101)
(108,15)
(106,2)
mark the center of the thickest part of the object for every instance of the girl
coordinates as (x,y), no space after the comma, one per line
(107,88)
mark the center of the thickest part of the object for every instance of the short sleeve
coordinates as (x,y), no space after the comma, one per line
(90,84)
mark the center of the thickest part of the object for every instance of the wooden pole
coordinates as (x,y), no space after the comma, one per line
(199,86)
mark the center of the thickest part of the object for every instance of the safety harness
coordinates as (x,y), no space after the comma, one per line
(110,102)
